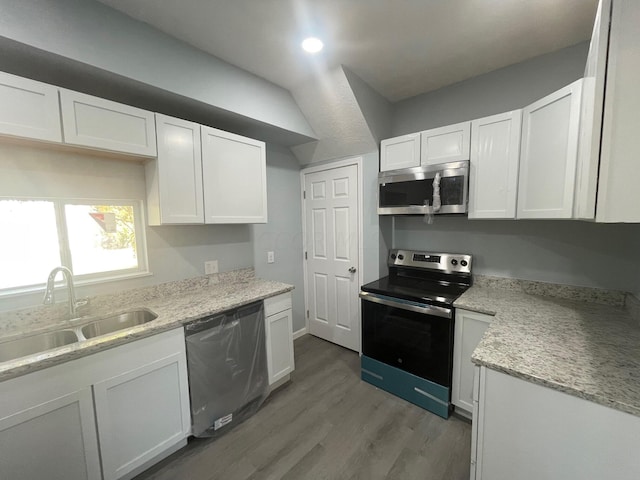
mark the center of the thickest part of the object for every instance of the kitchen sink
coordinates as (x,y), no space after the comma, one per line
(21,347)
(113,323)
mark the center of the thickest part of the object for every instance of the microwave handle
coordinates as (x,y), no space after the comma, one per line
(436,204)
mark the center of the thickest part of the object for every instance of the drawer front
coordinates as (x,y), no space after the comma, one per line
(277,304)
(421,392)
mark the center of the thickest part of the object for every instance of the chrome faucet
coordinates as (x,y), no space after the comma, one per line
(49,295)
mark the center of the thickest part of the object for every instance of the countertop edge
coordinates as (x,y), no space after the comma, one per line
(74,351)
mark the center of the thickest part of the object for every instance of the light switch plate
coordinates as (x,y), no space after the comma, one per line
(271,257)
(211,267)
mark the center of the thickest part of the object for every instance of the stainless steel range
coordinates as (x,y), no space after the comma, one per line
(408,326)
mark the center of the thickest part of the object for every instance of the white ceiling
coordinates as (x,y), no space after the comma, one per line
(400,47)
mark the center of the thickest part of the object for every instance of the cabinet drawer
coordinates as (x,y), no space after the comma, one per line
(277,304)
(412,388)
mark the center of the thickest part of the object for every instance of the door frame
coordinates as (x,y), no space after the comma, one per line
(357,161)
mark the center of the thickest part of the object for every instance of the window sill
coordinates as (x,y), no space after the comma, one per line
(33,289)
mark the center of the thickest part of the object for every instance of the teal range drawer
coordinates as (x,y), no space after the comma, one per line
(425,394)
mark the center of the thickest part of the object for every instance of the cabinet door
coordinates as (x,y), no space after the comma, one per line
(234,178)
(527,431)
(174,179)
(495,155)
(400,152)
(618,192)
(445,144)
(30,109)
(279,329)
(105,125)
(55,440)
(592,104)
(550,129)
(469,329)
(141,414)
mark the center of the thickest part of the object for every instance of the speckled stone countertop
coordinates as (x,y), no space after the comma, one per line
(589,350)
(175,303)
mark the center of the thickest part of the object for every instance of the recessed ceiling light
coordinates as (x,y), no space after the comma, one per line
(312,45)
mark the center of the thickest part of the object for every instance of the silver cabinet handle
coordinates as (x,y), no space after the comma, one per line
(352,270)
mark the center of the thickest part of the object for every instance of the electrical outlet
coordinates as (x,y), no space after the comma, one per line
(271,257)
(211,267)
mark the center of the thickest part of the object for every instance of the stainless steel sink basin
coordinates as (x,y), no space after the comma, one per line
(113,323)
(21,347)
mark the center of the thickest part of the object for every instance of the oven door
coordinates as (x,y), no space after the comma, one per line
(413,337)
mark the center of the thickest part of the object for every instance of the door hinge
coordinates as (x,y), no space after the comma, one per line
(304,194)
(307,313)
(305,255)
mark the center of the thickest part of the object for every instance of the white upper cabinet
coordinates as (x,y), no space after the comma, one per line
(495,155)
(548,155)
(618,193)
(30,109)
(400,152)
(591,116)
(234,177)
(445,144)
(174,179)
(105,125)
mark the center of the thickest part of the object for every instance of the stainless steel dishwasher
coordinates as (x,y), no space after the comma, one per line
(227,362)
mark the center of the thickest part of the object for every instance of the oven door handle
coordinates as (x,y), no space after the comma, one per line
(406,305)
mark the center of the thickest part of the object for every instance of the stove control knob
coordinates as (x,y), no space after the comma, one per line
(464,263)
(393,256)
(454,262)
(401,257)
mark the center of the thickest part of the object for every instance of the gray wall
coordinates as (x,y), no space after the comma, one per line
(570,252)
(94,34)
(283,232)
(508,88)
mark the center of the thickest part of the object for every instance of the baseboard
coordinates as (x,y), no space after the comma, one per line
(299,333)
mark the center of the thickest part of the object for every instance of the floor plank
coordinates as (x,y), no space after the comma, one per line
(328,424)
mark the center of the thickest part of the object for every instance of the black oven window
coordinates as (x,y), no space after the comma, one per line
(414,342)
(400,194)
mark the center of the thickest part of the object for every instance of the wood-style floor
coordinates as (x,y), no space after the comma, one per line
(328,424)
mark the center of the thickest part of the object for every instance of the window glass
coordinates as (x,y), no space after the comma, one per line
(29,245)
(102,238)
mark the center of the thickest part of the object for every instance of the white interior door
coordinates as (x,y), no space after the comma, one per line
(331,225)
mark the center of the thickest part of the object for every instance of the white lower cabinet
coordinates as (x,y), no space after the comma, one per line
(43,435)
(527,431)
(279,337)
(469,329)
(133,398)
(142,404)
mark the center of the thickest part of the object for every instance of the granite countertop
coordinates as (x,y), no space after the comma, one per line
(588,350)
(175,304)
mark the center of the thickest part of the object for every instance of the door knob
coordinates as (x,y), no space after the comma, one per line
(352,270)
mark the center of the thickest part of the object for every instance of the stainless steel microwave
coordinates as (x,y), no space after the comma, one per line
(442,188)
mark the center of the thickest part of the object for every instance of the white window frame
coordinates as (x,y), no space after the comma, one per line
(65,250)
